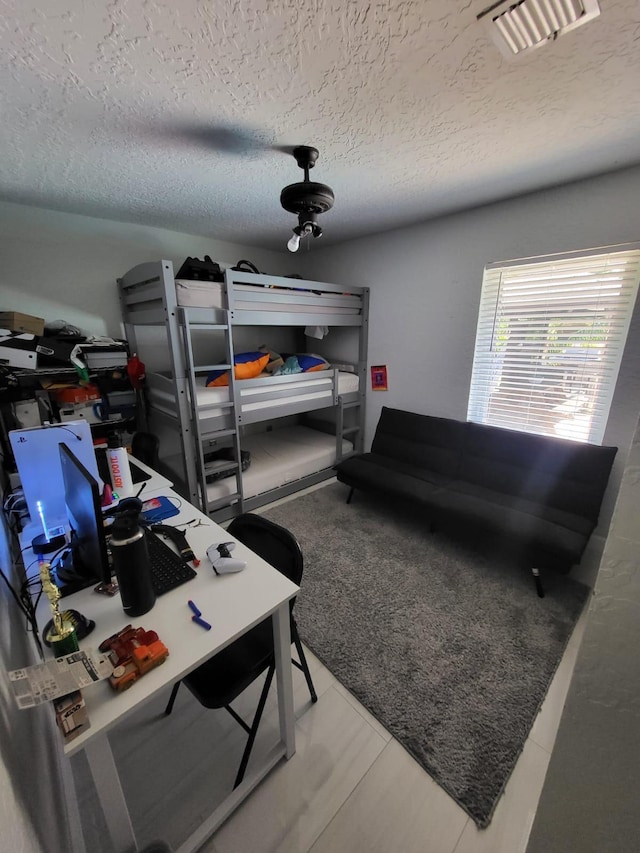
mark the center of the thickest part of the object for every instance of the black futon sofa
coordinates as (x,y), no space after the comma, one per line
(543,492)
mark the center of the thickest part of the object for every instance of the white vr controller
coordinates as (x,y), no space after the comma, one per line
(222,561)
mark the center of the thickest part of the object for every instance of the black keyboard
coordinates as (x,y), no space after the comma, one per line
(168,570)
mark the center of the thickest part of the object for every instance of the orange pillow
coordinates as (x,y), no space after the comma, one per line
(247,365)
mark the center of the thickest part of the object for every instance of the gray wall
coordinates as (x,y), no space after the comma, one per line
(425,291)
(589,802)
(62,266)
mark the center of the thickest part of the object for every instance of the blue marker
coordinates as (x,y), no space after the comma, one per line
(194,608)
(201,622)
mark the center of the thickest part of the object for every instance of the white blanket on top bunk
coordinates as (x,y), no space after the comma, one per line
(211,294)
(280,457)
(313,388)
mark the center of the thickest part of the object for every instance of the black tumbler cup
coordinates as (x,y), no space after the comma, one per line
(131,564)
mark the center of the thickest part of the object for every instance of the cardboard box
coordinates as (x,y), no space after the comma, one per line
(71,715)
(17,349)
(18,322)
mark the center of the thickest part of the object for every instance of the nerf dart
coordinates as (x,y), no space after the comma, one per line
(197,616)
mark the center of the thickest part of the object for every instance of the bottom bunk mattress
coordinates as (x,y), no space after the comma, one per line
(280,457)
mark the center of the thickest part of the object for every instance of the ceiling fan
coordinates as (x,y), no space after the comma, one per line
(224,137)
(307,199)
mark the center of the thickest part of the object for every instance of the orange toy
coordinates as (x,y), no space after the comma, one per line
(133,652)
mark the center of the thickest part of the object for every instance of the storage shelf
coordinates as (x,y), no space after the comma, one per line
(34,382)
(66,372)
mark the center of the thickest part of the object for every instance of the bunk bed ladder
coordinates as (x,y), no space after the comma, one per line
(201,436)
(234,398)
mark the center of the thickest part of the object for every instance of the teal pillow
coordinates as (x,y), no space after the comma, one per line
(291,365)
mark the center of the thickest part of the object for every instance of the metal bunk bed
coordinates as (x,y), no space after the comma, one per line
(164,334)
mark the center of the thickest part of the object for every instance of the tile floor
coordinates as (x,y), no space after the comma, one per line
(349,787)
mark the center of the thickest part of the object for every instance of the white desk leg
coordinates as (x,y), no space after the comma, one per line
(284,679)
(110,794)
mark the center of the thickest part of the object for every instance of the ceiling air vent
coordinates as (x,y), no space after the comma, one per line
(518,28)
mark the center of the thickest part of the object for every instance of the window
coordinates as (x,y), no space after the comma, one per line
(551,332)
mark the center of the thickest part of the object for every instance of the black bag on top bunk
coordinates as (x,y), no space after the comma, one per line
(246,266)
(193,269)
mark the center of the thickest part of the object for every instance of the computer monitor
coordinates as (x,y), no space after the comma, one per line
(90,561)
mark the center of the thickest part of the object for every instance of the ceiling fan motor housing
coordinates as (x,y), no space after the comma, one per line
(307,198)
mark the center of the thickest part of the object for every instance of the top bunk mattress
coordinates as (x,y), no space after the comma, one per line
(317,386)
(211,294)
(259,399)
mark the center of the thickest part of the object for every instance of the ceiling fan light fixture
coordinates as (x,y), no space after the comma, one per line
(520,27)
(307,198)
(308,224)
(294,242)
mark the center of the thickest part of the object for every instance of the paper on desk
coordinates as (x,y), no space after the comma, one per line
(34,685)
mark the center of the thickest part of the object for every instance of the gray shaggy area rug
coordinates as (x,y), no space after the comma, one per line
(444,641)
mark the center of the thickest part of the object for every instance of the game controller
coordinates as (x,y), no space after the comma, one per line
(222,561)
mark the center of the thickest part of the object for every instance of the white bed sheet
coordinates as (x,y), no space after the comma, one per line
(210,294)
(280,457)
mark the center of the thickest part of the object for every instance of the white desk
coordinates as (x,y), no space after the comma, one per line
(152,485)
(232,604)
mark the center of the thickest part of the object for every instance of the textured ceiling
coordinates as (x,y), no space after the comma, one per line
(176,117)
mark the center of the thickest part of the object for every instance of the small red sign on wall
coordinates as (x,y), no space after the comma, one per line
(379,377)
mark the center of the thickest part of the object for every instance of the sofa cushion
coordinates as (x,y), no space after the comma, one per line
(371,471)
(577,523)
(553,472)
(495,513)
(390,465)
(424,442)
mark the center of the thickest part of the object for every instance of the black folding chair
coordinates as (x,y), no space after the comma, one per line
(216,683)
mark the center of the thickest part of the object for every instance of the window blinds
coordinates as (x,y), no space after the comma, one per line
(550,337)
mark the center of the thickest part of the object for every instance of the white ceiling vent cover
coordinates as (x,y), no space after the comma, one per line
(518,28)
